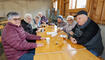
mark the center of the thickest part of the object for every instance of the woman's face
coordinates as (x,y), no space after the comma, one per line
(70,21)
(16,20)
(40,15)
(59,20)
(28,18)
(37,19)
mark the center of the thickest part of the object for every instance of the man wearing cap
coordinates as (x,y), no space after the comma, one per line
(61,22)
(87,33)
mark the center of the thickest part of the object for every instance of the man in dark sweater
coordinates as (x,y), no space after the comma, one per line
(87,33)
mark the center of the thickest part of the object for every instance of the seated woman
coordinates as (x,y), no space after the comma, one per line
(14,39)
(43,20)
(37,21)
(26,23)
(61,22)
(70,24)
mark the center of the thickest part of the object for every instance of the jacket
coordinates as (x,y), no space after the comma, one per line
(14,41)
(89,36)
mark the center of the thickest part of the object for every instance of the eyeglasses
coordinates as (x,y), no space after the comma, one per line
(70,20)
(16,19)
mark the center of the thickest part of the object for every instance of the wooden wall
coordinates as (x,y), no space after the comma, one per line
(24,6)
(64,8)
(95,9)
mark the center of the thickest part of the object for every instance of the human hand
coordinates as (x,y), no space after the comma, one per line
(43,38)
(73,40)
(40,45)
(71,32)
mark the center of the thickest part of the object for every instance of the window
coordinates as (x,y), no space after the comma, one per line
(55,5)
(75,4)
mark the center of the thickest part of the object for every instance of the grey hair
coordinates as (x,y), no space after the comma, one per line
(38,17)
(28,14)
(40,13)
(10,15)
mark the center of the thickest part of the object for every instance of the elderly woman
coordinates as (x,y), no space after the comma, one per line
(70,24)
(43,20)
(61,22)
(26,23)
(14,39)
(37,21)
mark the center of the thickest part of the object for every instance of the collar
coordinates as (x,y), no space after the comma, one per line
(9,23)
(83,26)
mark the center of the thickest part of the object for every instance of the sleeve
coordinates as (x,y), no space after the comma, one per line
(16,42)
(64,28)
(32,37)
(87,35)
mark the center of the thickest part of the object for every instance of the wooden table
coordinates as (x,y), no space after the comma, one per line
(61,48)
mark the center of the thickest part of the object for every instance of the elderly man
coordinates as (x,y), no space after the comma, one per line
(87,33)
(14,39)
(43,20)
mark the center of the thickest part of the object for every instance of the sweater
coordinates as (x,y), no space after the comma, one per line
(14,41)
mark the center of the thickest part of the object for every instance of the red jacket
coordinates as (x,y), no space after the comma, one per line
(14,41)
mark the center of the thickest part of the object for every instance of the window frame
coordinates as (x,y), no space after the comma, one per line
(78,9)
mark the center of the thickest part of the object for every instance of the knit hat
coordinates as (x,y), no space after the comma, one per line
(60,17)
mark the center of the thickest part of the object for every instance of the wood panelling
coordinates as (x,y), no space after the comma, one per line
(61,6)
(66,11)
(97,10)
(103,14)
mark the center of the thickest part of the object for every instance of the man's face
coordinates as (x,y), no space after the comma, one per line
(59,20)
(81,19)
(16,20)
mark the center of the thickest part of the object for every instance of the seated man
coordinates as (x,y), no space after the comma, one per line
(87,33)
(61,22)
(43,20)
(14,39)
